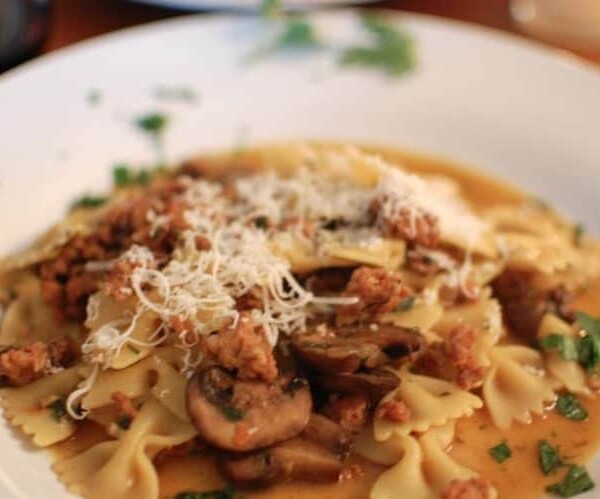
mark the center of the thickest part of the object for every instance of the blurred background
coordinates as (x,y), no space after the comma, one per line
(29,28)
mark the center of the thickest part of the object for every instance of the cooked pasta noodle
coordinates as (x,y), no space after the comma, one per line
(283,308)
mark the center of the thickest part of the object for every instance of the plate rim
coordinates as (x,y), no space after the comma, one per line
(559,56)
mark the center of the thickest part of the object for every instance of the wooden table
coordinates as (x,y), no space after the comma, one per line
(75,20)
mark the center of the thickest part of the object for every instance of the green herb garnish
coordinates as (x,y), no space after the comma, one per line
(588,347)
(405,304)
(568,406)
(391,51)
(500,452)
(575,482)
(566,345)
(232,413)
(549,457)
(89,201)
(124,421)
(122,175)
(184,94)
(578,232)
(225,493)
(94,97)
(58,409)
(297,34)
(152,123)
(585,349)
(125,176)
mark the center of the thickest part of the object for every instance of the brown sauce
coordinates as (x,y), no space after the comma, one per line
(519,477)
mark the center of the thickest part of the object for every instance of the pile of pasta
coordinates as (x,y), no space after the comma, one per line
(127,345)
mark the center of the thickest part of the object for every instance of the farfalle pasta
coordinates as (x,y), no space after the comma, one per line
(298,313)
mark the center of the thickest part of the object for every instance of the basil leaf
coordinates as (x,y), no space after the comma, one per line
(568,406)
(549,457)
(500,452)
(566,346)
(575,482)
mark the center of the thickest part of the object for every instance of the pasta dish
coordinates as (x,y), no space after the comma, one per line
(307,320)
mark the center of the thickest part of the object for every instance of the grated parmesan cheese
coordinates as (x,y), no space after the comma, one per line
(201,286)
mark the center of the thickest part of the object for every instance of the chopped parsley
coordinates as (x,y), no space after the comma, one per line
(578,232)
(575,482)
(94,97)
(58,410)
(585,349)
(225,493)
(392,50)
(152,123)
(232,413)
(297,34)
(405,304)
(125,176)
(124,421)
(184,94)
(89,201)
(566,345)
(549,457)
(568,406)
(500,452)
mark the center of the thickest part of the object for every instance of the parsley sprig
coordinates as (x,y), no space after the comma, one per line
(295,34)
(501,452)
(549,457)
(584,349)
(568,405)
(576,481)
(391,49)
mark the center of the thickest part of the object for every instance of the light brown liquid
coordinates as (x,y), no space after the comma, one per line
(519,477)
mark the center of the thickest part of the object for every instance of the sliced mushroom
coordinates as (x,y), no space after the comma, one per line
(346,349)
(328,434)
(298,459)
(242,416)
(375,384)
(525,300)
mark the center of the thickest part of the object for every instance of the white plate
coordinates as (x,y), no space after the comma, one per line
(511,108)
(246,5)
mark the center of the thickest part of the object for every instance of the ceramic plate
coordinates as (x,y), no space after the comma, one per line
(513,109)
(245,5)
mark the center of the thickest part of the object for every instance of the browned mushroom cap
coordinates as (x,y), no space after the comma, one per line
(328,434)
(345,349)
(242,416)
(298,458)
(375,384)
(524,301)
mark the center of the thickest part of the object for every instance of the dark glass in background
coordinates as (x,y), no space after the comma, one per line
(23,27)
